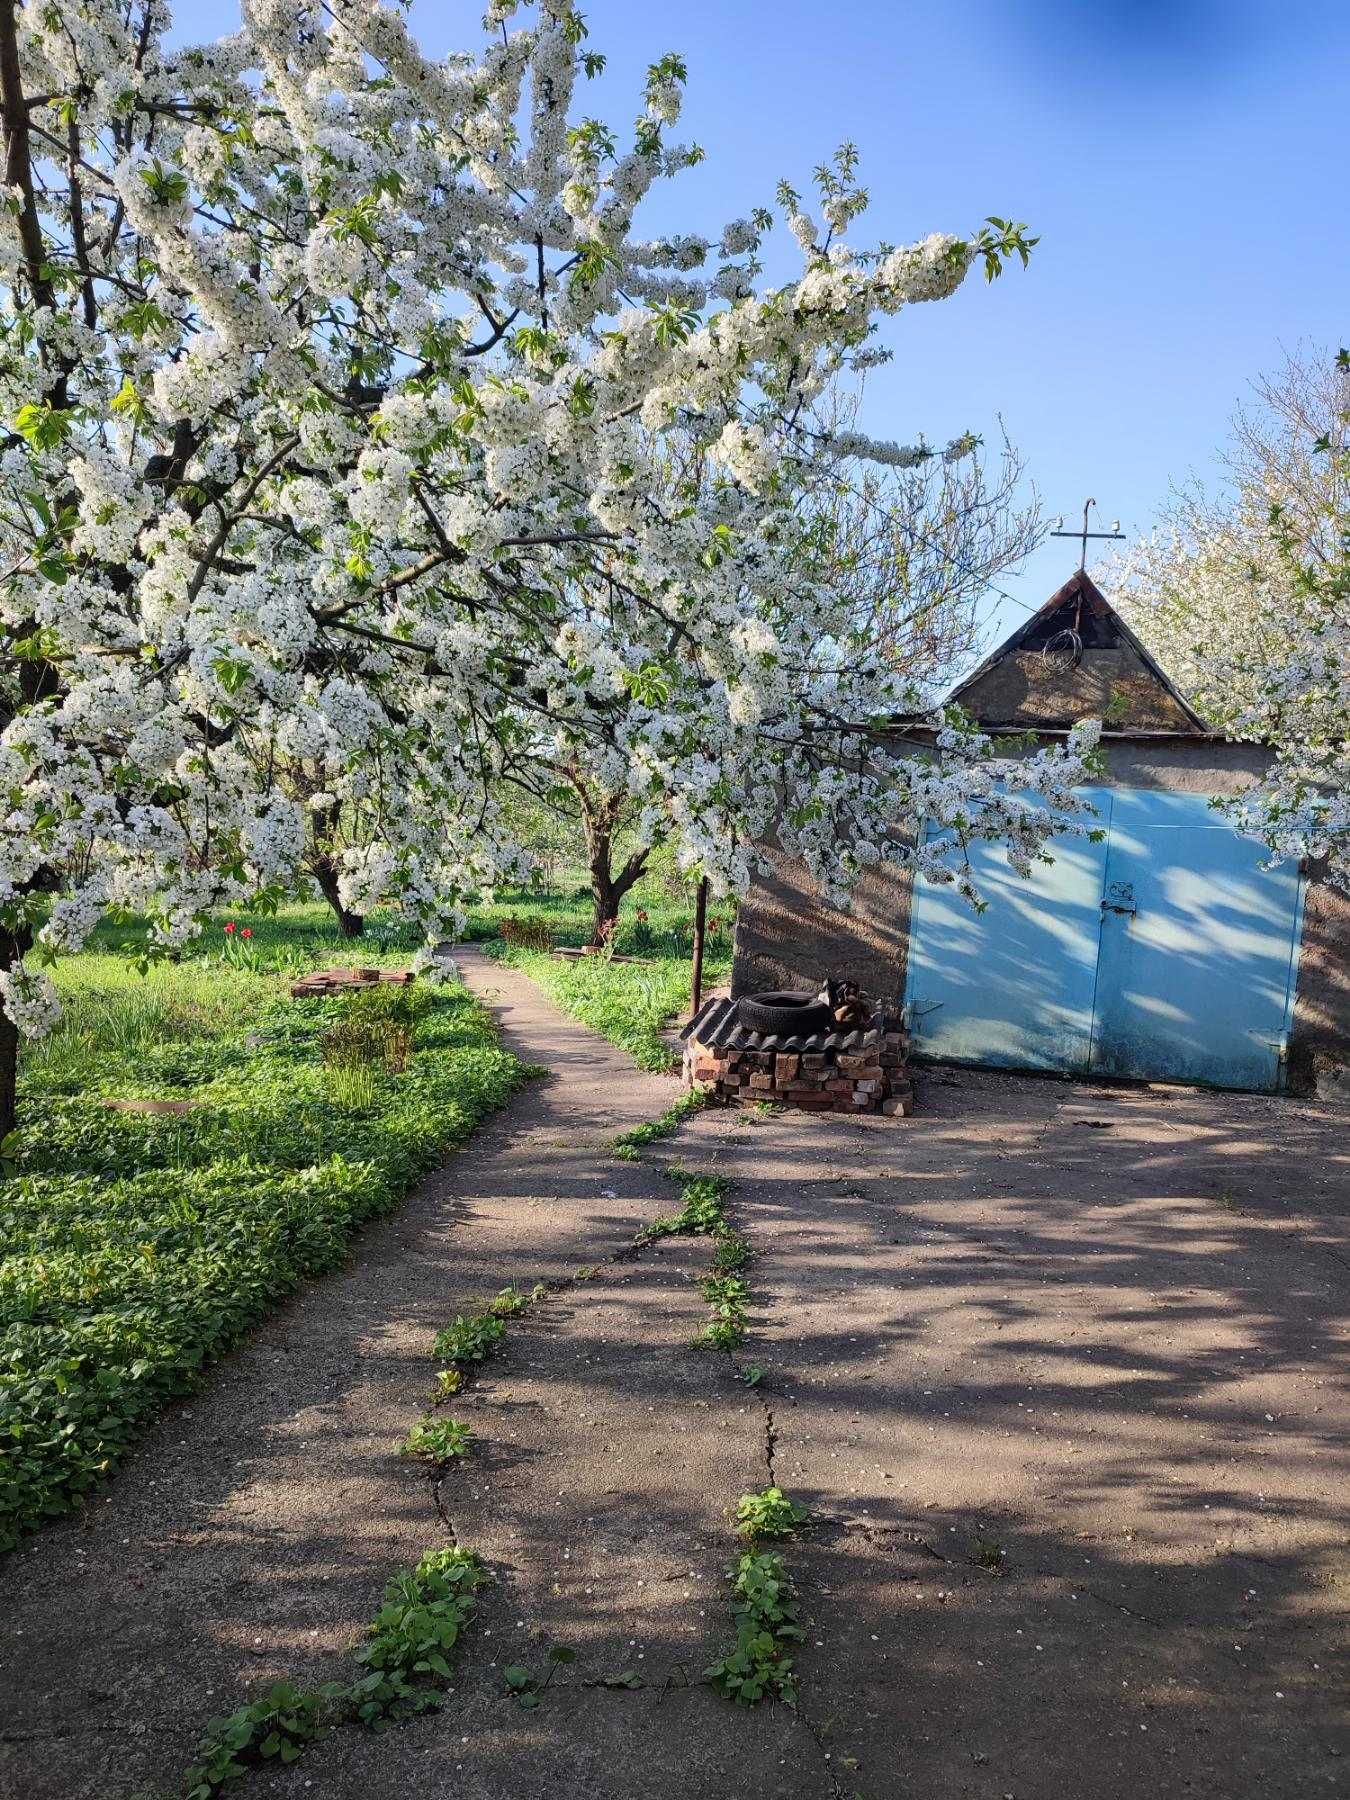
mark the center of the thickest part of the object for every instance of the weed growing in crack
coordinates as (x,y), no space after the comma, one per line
(475,1338)
(274,1728)
(469,1340)
(985,1553)
(628,1145)
(759,1664)
(423,1615)
(520,1680)
(758,1112)
(510,1301)
(436,1441)
(769,1514)
(419,1625)
(728,1296)
(730,1252)
(701,1213)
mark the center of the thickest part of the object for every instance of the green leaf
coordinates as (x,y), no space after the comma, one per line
(231,673)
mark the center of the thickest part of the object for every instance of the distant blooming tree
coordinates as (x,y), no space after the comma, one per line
(339,389)
(1246,600)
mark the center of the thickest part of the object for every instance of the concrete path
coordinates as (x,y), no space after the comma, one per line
(1051,1365)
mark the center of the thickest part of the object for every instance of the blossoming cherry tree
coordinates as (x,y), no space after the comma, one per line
(346,406)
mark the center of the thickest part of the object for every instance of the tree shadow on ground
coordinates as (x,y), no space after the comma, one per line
(1019,1368)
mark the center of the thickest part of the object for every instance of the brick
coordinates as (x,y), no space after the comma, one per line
(785,1066)
(761,1081)
(898,1107)
(839,1086)
(814,1063)
(863,1089)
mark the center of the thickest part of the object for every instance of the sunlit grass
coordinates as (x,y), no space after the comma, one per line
(631,1004)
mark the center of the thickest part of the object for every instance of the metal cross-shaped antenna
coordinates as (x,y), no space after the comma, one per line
(1115,532)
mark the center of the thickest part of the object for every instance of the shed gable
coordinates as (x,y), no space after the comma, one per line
(1076,658)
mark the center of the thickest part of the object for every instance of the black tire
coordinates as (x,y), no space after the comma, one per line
(786,1011)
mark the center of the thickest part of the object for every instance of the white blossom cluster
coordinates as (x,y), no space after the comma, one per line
(1248,606)
(354,432)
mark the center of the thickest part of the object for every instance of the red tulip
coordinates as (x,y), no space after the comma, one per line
(230,926)
(246,932)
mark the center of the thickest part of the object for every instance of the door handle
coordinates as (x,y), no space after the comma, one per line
(918,1012)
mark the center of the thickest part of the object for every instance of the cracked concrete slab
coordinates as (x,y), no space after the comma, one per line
(1053,1366)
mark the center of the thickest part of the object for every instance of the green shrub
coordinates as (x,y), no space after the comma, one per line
(628,1144)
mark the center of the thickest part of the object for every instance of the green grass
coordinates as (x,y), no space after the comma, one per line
(135,1249)
(629,1003)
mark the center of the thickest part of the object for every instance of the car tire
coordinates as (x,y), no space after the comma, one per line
(784,1011)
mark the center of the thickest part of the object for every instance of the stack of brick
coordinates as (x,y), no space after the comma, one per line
(872,1078)
(336,981)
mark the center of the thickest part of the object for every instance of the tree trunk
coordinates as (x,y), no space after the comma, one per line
(700,936)
(608,886)
(323,866)
(11,949)
(599,855)
(350,924)
(9,1070)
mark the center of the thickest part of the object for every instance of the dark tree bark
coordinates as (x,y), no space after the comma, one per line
(608,884)
(11,949)
(323,866)
(350,924)
(700,938)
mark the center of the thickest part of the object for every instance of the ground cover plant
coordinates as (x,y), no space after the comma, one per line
(138,1247)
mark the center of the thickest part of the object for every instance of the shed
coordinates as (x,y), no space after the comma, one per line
(1166,951)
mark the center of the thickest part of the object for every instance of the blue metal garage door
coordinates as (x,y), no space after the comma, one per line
(1165,952)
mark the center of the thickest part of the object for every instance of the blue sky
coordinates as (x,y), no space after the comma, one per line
(1183,162)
